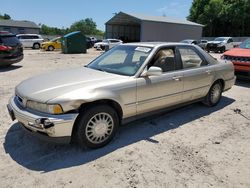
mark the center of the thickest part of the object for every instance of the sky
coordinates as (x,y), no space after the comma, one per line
(62,13)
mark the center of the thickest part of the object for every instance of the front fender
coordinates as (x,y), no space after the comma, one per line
(73,100)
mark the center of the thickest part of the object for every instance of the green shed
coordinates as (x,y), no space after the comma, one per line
(74,43)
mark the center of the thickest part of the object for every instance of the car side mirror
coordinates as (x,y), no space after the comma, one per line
(152,71)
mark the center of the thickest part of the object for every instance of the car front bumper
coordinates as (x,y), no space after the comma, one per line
(53,128)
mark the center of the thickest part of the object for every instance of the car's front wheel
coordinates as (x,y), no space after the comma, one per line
(51,48)
(214,95)
(96,126)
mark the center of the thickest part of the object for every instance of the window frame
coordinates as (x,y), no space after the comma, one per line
(176,58)
(204,61)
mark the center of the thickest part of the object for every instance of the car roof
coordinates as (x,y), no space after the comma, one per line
(224,37)
(157,44)
(28,34)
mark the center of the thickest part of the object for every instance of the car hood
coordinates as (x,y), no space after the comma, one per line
(238,52)
(45,87)
(215,42)
(48,42)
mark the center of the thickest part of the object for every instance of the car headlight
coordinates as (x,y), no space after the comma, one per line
(47,108)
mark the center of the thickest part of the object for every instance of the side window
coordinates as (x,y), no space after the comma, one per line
(165,59)
(230,40)
(190,58)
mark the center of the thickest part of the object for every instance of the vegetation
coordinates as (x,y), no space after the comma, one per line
(5,17)
(86,26)
(222,17)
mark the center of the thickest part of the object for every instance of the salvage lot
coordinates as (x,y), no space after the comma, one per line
(194,146)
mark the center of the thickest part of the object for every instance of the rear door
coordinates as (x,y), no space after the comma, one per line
(197,73)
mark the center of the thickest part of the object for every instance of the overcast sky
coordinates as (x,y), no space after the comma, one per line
(64,12)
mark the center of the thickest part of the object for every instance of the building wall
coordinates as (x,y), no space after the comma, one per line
(20,30)
(158,31)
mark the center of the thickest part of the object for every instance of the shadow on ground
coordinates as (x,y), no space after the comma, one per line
(243,82)
(9,68)
(39,156)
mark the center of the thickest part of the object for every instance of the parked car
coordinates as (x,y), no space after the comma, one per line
(88,104)
(52,44)
(203,44)
(11,50)
(89,43)
(240,57)
(189,41)
(31,40)
(220,44)
(110,43)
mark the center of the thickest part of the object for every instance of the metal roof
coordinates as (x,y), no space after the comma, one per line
(121,16)
(15,23)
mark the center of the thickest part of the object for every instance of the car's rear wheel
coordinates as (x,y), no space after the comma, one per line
(51,48)
(214,95)
(36,46)
(96,126)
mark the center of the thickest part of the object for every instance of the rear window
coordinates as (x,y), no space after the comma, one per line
(9,40)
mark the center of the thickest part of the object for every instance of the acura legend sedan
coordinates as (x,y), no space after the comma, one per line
(86,105)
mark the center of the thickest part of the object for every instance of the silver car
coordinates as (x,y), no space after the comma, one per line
(88,104)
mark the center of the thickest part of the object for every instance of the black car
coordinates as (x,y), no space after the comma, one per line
(11,50)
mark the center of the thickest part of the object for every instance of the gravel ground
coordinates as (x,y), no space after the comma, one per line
(194,146)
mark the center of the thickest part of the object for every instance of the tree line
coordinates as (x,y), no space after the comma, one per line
(222,17)
(5,17)
(86,26)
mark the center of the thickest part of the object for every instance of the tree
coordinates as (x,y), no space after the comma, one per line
(222,17)
(86,26)
(5,17)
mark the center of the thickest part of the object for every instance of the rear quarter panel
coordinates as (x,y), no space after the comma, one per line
(225,70)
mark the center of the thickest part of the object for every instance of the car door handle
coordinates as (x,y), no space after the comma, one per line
(177,78)
(208,71)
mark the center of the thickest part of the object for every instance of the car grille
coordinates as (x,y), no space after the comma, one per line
(239,59)
(212,45)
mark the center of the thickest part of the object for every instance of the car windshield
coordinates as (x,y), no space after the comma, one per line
(220,39)
(186,41)
(105,41)
(122,60)
(245,44)
(55,39)
(9,40)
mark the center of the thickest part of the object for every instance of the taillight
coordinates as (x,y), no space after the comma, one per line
(5,48)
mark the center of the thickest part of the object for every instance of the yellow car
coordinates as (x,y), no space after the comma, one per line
(52,44)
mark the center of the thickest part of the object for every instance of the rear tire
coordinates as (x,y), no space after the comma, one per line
(96,126)
(214,95)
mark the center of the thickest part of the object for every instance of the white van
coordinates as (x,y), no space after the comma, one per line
(30,40)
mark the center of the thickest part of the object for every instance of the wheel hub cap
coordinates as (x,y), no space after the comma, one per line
(99,128)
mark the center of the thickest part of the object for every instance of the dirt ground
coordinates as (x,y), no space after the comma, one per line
(194,146)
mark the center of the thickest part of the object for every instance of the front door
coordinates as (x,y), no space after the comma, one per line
(156,92)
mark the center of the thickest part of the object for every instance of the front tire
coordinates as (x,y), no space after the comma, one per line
(96,126)
(214,95)
(51,48)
